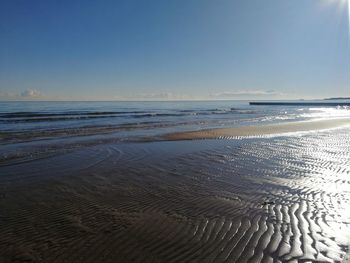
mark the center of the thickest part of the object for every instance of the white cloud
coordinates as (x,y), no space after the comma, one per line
(28,94)
(31,93)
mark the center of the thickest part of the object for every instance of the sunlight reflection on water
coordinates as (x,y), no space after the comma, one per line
(326,112)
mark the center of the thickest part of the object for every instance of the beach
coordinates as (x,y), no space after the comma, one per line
(274,191)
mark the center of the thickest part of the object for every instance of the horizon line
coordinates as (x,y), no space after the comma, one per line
(174,100)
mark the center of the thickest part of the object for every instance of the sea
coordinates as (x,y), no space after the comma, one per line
(27,124)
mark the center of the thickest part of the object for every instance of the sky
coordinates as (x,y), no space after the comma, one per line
(174,50)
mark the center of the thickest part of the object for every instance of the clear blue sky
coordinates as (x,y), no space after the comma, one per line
(181,49)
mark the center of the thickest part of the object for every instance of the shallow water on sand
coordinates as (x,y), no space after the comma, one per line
(34,130)
(277,199)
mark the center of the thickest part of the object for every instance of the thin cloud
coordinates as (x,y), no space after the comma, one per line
(5,94)
(155,96)
(246,93)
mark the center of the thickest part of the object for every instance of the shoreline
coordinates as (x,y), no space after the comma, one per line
(270,129)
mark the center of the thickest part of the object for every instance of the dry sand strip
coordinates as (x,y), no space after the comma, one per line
(301,126)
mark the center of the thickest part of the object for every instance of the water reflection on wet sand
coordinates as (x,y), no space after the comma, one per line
(263,199)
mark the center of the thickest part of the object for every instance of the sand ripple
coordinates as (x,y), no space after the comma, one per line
(282,199)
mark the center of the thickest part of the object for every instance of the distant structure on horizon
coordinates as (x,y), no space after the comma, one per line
(338,98)
(298,103)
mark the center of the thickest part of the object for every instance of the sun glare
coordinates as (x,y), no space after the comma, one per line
(343,5)
(348,4)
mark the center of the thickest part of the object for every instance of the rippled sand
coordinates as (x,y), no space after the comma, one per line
(244,200)
(289,127)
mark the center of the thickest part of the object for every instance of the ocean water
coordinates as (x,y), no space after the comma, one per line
(75,117)
(29,128)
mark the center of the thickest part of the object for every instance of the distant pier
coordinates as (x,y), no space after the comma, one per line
(298,103)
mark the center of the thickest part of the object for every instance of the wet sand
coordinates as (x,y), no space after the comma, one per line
(302,126)
(281,199)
